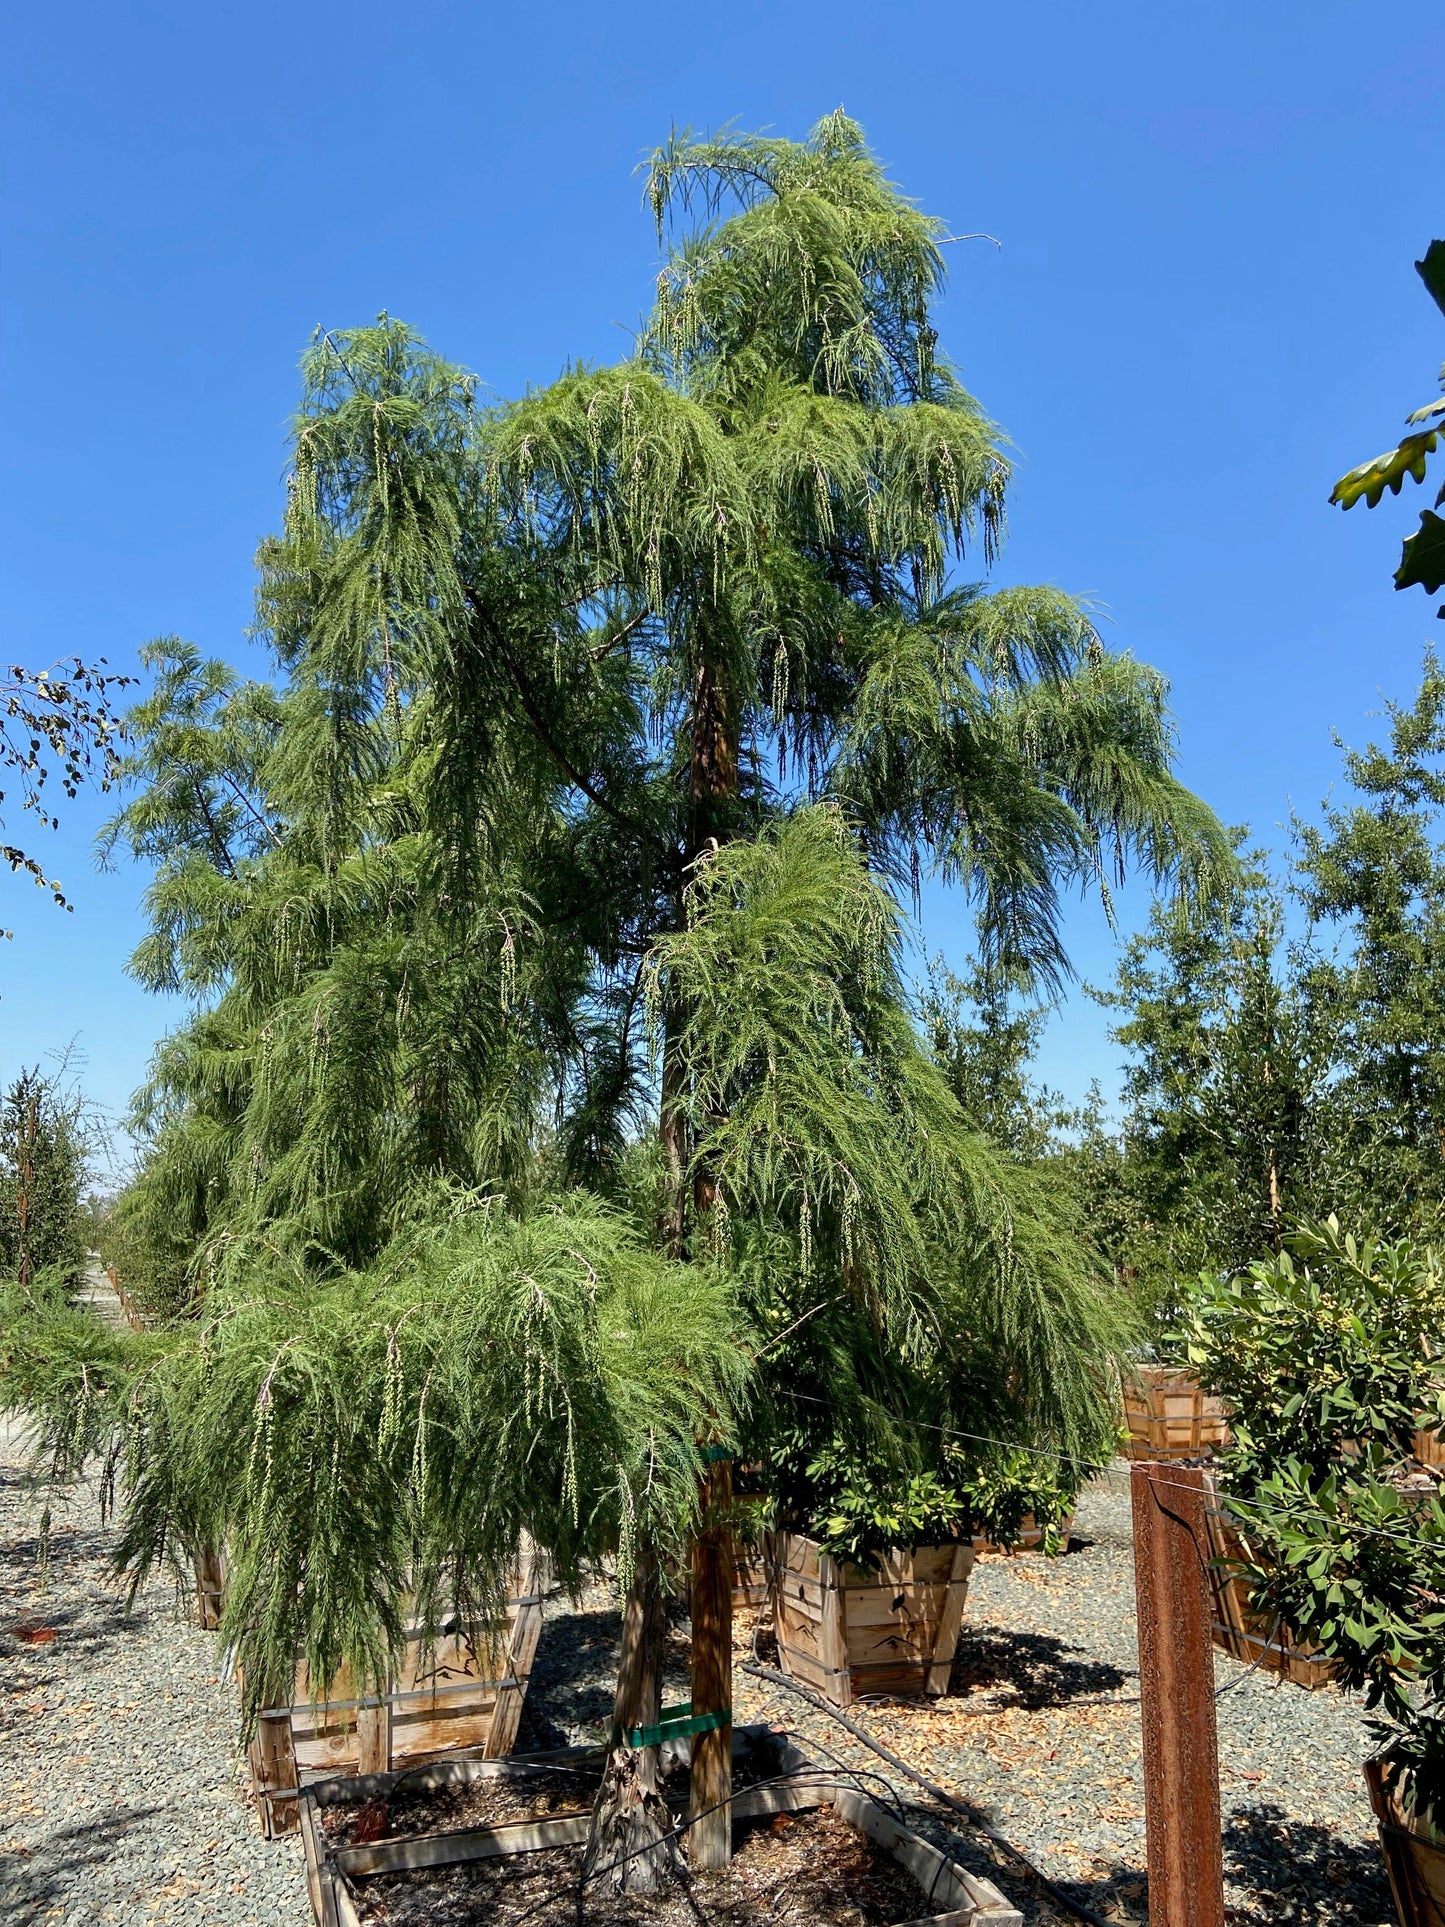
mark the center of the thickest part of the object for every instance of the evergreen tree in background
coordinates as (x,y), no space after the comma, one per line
(43,1159)
(1376,870)
(985,1030)
(1226,1066)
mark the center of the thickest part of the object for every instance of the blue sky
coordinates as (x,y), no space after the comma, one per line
(1203,309)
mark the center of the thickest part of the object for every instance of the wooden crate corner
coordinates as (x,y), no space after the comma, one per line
(889,1628)
(1169,1415)
(458,1698)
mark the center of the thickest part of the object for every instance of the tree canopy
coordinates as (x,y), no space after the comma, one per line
(566,865)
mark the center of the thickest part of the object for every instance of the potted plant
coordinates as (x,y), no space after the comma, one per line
(1325,1355)
(879,1518)
(870,1574)
(1022,1501)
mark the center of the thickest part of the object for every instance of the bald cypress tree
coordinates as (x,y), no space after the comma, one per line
(616,727)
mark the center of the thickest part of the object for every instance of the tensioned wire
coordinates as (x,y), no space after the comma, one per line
(1092,1467)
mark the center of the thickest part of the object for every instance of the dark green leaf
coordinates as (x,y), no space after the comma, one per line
(1422,560)
(1432,272)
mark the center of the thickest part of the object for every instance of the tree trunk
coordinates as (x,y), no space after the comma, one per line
(25,1186)
(631,1837)
(712,779)
(713,794)
(673,1132)
(709,1840)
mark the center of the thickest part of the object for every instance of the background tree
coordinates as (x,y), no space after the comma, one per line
(1227,1060)
(984,1030)
(56,728)
(1374,869)
(44,1144)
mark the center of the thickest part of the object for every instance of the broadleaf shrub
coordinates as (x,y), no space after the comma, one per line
(1327,1355)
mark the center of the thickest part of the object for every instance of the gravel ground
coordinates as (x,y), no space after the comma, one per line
(119,1792)
(1040,1731)
(569,1696)
(121,1796)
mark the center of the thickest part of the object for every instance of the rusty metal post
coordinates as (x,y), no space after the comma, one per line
(710,1838)
(1176,1680)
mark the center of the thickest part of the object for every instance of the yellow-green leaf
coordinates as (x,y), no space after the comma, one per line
(1389,470)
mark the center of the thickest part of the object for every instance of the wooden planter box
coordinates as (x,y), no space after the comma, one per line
(458,1698)
(332,1872)
(1170,1415)
(1415,1864)
(1031,1537)
(752,1580)
(210,1588)
(1254,1637)
(891,1628)
(752,1560)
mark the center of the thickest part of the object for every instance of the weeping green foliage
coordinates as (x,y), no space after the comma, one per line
(922,1270)
(66,1375)
(825,271)
(655,690)
(995,734)
(345,909)
(540,657)
(368,1445)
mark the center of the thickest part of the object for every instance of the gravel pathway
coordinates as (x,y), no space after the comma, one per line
(122,1801)
(1041,1731)
(118,1785)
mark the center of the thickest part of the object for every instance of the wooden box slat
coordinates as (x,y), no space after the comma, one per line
(1031,1537)
(964,1899)
(1414,1863)
(1170,1415)
(845,1631)
(1253,1637)
(460,1697)
(752,1574)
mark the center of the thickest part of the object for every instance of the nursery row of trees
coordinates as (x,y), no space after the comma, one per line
(1284,1049)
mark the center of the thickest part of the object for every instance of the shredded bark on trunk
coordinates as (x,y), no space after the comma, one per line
(672,1229)
(630,1841)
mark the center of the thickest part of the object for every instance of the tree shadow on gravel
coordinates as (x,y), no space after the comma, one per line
(1035,1670)
(1295,1871)
(1278,1872)
(84,1628)
(574,1675)
(53,1871)
(573,1678)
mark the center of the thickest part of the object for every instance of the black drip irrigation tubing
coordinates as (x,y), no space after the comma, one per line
(970,1813)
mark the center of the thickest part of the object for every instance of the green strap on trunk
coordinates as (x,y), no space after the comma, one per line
(674,1722)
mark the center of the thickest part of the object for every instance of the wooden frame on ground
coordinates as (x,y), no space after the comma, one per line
(967,1900)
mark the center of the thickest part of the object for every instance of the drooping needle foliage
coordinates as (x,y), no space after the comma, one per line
(367,1445)
(613,729)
